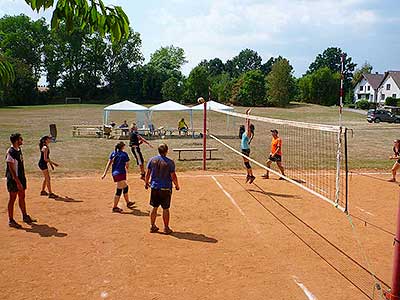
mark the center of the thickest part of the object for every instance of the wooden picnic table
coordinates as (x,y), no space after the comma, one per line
(86,130)
(179,150)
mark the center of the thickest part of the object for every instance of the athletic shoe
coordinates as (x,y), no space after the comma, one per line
(130,204)
(392,180)
(252,178)
(154,229)
(167,230)
(44,193)
(27,219)
(14,224)
(248,177)
(265,176)
(117,210)
(53,196)
(281,178)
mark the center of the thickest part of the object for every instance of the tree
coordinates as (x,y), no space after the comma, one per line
(321,87)
(331,58)
(221,87)
(245,61)
(280,82)
(94,16)
(267,67)
(214,66)
(197,84)
(250,90)
(171,89)
(366,68)
(168,59)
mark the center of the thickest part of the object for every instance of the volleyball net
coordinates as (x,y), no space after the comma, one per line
(314,156)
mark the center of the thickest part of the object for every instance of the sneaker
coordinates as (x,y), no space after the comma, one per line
(167,230)
(44,193)
(154,229)
(252,178)
(248,177)
(27,219)
(130,204)
(53,196)
(142,176)
(14,224)
(265,176)
(117,210)
(281,178)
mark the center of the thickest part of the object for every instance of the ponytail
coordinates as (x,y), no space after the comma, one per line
(119,146)
(42,141)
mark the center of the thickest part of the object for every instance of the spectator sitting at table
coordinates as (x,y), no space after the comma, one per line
(112,124)
(182,126)
(125,128)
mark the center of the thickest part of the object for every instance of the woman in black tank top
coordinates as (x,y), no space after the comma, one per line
(44,161)
(396,156)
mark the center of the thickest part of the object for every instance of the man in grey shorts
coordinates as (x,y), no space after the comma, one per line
(162,172)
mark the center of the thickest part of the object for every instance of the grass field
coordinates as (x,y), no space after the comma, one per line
(231,240)
(369,147)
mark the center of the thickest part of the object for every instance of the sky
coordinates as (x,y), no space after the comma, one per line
(367,30)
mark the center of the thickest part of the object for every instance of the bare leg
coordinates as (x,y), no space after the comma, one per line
(120,185)
(21,202)
(266,175)
(44,184)
(13,197)
(47,180)
(281,167)
(153,216)
(394,171)
(166,217)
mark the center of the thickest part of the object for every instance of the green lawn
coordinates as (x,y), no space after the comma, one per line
(369,147)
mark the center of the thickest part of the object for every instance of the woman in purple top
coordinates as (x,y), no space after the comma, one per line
(119,160)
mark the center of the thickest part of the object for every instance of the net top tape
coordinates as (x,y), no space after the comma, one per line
(323,127)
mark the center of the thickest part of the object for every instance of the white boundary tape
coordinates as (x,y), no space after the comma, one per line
(306,291)
(234,203)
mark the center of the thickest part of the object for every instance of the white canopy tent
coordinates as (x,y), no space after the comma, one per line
(171,106)
(213,105)
(141,111)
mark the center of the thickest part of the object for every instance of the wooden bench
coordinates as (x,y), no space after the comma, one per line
(179,150)
(87,130)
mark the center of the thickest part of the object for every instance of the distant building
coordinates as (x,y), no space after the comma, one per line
(390,86)
(367,87)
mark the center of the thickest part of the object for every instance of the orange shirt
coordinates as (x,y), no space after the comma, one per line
(276,142)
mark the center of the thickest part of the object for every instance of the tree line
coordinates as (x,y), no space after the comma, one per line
(79,62)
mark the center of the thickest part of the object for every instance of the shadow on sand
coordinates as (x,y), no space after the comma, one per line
(196,237)
(66,199)
(44,230)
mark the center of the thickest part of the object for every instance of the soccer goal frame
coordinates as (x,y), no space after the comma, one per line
(73,100)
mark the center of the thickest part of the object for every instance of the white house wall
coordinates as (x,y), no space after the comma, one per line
(383,93)
(365,93)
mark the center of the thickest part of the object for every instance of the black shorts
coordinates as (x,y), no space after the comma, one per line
(160,197)
(246,152)
(275,158)
(43,165)
(138,155)
(12,184)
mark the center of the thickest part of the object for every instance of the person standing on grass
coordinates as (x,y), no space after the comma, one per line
(43,165)
(119,160)
(247,137)
(16,180)
(162,172)
(276,154)
(396,156)
(135,141)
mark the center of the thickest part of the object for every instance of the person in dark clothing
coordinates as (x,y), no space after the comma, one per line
(44,161)
(135,141)
(162,172)
(16,180)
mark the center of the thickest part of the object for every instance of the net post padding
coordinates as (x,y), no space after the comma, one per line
(283,176)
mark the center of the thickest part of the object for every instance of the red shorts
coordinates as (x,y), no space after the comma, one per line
(119,177)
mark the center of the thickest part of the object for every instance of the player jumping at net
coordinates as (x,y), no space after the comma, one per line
(44,161)
(119,160)
(16,180)
(396,156)
(247,137)
(135,141)
(275,154)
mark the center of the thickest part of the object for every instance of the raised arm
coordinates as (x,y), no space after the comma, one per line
(143,140)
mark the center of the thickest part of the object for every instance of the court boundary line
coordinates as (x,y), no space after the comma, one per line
(229,196)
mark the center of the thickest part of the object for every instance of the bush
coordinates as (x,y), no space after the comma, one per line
(363,104)
(350,105)
(391,101)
